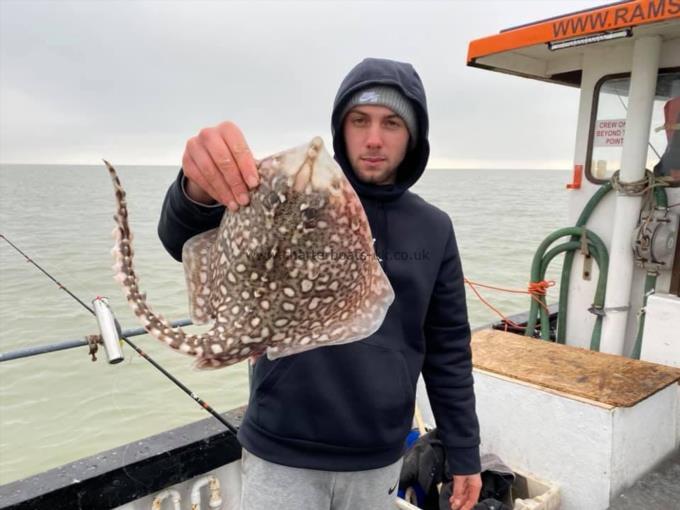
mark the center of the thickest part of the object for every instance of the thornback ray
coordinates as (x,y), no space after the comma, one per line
(294,270)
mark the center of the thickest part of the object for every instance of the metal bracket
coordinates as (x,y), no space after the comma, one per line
(587,267)
(624,308)
(597,311)
(587,258)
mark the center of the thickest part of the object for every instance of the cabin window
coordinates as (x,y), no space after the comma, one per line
(608,126)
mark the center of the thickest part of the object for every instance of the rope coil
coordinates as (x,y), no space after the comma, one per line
(540,288)
(641,187)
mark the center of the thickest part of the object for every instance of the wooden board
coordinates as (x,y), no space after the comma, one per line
(605,378)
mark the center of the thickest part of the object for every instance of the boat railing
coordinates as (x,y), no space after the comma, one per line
(35,350)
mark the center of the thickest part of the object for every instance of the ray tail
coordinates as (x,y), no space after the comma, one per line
(123,254)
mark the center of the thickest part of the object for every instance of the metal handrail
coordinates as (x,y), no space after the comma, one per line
(70,344)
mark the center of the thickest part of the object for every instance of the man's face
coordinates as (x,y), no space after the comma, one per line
(376,139)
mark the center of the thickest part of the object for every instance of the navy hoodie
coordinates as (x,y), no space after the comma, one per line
(349,407)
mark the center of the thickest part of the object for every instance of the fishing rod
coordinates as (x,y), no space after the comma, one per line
(139,351)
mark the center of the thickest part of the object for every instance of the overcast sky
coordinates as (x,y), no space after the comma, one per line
(132,80)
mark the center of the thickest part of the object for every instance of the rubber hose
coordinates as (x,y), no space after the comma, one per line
(661,201)
(538,268)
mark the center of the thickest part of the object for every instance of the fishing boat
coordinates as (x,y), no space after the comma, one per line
(581,398)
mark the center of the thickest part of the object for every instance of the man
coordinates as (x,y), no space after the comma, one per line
(325,429)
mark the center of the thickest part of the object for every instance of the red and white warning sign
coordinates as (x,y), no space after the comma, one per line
(609,132)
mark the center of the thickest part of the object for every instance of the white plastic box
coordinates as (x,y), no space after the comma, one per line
(527,493)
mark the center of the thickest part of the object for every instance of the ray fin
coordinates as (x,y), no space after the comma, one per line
(196,255)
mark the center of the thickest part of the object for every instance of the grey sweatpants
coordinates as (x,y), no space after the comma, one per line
(267,486)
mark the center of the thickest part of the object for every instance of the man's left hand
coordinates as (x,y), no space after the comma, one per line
(466,490)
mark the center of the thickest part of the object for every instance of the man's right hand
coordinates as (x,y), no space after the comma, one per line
(219,166)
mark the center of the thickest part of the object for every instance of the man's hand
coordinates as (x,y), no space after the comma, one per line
(466,490)
(219,166)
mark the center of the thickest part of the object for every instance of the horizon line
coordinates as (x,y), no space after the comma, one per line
(166,165)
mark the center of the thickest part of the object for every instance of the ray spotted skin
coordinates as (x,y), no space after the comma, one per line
(293,271)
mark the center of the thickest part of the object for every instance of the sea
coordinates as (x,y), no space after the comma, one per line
(58,407)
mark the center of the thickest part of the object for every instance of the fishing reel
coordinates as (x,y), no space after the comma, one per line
(654,239)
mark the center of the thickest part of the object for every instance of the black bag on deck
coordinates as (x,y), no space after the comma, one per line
(425,465)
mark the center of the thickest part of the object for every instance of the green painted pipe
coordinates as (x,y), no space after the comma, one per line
(650,285)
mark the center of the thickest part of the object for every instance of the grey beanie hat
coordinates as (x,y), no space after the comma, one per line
(390,97)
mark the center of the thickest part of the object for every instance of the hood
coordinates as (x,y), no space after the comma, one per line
(376,71)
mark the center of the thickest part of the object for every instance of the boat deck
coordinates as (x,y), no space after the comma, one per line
(658,490)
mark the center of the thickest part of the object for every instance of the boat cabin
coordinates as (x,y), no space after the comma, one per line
(625,190)
(578,411)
